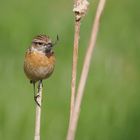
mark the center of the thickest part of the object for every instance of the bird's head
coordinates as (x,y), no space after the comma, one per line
(43,43)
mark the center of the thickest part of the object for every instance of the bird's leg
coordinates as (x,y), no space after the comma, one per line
(35,95)
(32,82)
(39,84)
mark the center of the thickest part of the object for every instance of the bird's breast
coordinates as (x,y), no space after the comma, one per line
(38,66)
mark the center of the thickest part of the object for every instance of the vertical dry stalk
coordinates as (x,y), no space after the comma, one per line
(38,112)
(80,92)
(80,8)
(74,65)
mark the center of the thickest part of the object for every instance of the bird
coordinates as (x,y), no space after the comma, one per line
(39,61)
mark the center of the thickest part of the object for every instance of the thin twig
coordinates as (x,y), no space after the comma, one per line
(38,112)
(74,65)
(79,11)
(85,70)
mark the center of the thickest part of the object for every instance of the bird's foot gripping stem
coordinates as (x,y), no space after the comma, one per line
(38,97)
(36,100)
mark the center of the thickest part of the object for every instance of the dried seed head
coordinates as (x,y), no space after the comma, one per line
(80,9)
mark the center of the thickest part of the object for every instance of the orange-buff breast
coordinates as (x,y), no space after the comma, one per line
(38,66)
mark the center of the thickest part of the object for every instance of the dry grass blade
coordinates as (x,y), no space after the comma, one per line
(80,92)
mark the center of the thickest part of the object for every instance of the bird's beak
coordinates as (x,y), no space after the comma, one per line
(48,47)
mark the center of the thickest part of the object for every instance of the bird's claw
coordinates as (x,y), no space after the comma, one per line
(35,98)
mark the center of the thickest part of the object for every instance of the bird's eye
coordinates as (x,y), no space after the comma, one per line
(39,43)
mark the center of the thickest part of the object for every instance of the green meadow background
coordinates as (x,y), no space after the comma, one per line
(111,105)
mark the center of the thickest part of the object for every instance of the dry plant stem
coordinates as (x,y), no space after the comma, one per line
(80,92)
(80,8)
(74,65)
(38,112)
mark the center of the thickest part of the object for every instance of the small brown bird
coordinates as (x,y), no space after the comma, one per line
(39,60)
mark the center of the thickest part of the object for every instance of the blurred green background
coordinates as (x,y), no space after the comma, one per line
(111,106)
